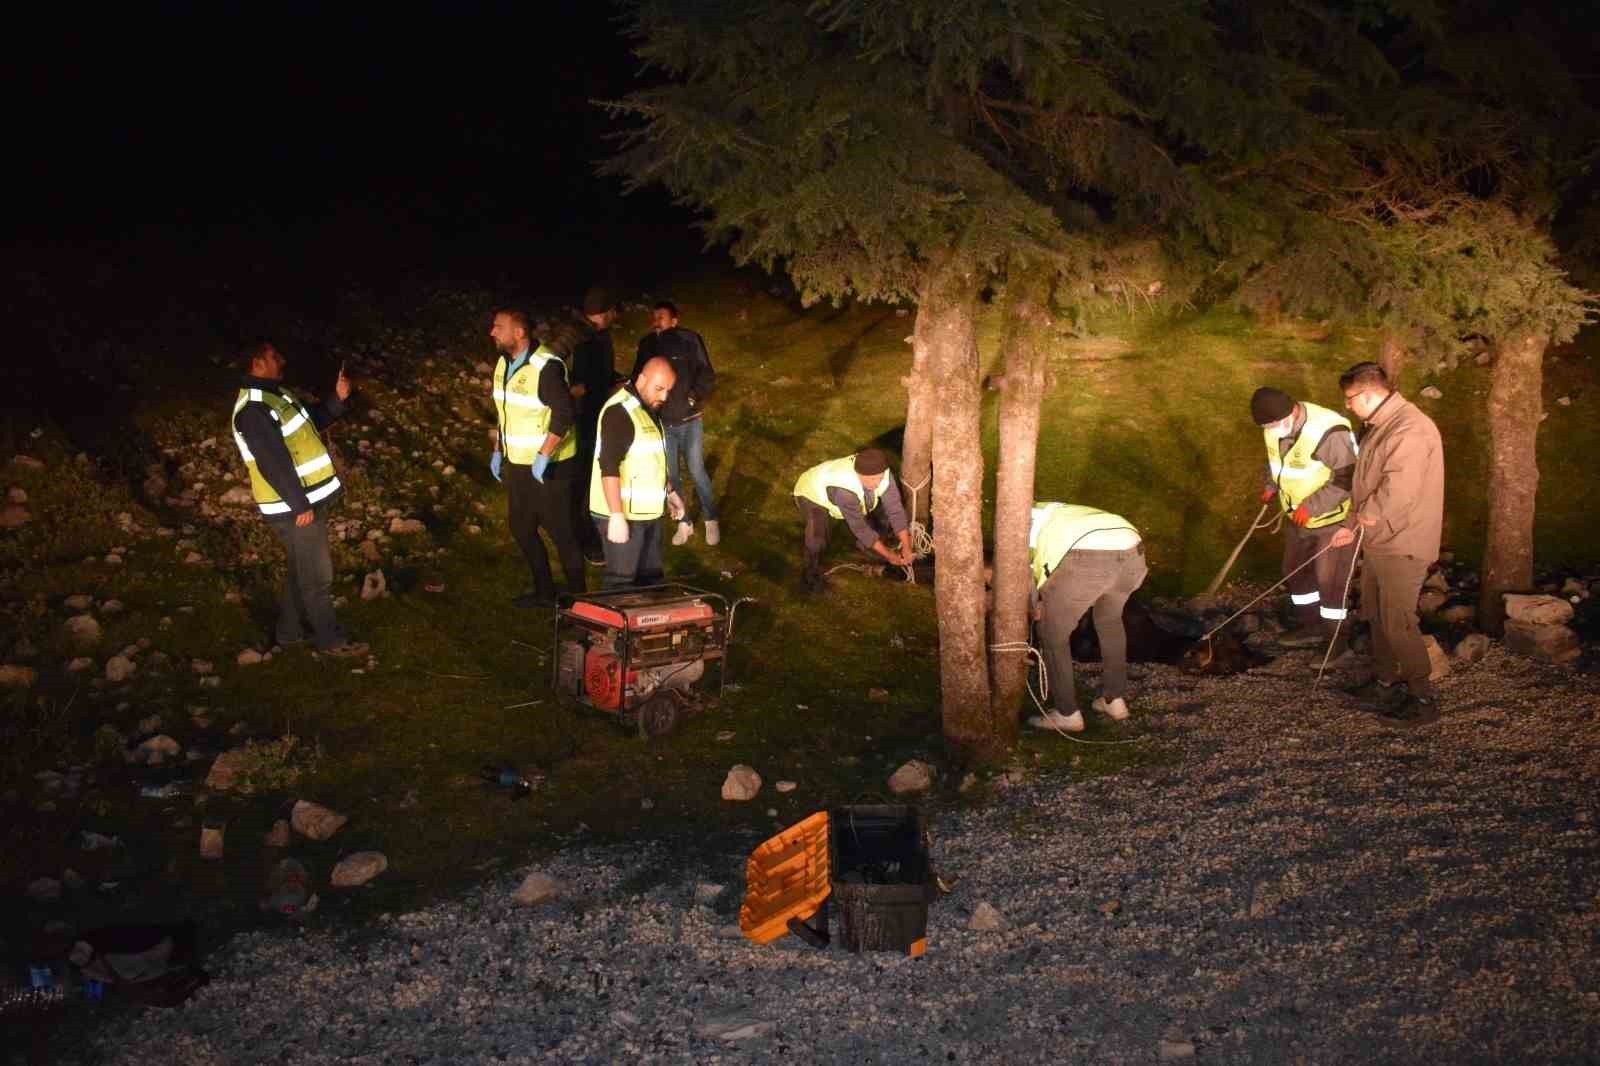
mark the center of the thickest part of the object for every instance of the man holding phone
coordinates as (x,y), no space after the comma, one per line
(293,482)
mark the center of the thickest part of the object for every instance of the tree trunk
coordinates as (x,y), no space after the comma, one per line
(1392,354)
(1516,400)
(916,448)
(947,320)
(1021,389)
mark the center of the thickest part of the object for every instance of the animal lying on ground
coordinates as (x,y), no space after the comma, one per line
(1148,642)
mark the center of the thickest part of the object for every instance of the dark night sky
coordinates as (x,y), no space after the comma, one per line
(442,116)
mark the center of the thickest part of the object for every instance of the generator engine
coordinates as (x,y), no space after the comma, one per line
(636,653)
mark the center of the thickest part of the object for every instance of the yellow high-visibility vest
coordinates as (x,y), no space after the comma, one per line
(312,462)
(814,484)
(524,418)
(1056,528)
(644,469)
(1298,474)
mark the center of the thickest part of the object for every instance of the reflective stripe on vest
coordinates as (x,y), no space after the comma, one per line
(1054,529)
(644,469)
(524,419)
(312,463)
(814,484)
(1297,472)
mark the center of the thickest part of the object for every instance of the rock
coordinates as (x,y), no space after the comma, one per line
(1111,907)
(1472,649)
(83,630)
(878,695)
(535,889)
(406,525)
(914,776)
(370,551)
(1556,644)
(1431,600)
(1458,612)
(44,890)
(1483,358)
(200,666)
(706,893)
(374,585)
(786,786)
(12,676)
(985,919)
(968,782)
(249,657)
(111,607)
(1176,1049)
(16,494)
(359,868)
(314,820)
(225,770)
(13,516)
(1431,392)
(79,601)
(1537,610)
(1564,401)
(733,1027)
(278,835)
(118,668)
(1438,661)
(239,495)
(155,750)
(80,664)
(27,462)
(741,784)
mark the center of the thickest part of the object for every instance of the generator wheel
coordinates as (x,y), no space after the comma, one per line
(658,715)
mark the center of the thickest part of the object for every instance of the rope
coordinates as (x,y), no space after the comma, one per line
(1255,524)
(1361,531)
(1027,648)
(1269,589)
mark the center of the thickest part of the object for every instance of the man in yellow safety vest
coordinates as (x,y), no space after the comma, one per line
(1311,461)
(293,483)
(860,491)
(628,490)
(1082,559)
(535,454)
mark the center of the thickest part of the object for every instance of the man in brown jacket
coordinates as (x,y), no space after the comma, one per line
(1398,503)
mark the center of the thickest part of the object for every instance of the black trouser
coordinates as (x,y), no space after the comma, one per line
(1317,592)
(636,561)
(305,596)
(532,505)
(816,520)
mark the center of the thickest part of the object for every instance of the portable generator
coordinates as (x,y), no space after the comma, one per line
(639,653)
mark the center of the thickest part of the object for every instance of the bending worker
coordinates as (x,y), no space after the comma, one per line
(536,416)
(860,491)
(1082,559)
(628,481)
(1311,462)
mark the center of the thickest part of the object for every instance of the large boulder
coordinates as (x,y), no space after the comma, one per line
(1555,644)
(535,889)
(1538,610)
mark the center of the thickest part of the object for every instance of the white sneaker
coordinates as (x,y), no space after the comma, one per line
(1117,708)
(1072,723)
(684,533)
(713,532)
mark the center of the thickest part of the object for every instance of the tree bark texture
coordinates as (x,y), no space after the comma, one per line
(1021,390)
(1516,400)
(948,322)
(916,448)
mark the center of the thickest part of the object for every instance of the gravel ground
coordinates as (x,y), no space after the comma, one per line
(1297,883)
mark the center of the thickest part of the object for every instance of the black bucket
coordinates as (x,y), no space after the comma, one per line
(881,877)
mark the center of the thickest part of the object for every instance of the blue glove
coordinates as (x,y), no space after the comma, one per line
(540,461)
(494,464)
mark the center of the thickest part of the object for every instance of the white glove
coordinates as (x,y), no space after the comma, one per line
(675,506)
(617,529)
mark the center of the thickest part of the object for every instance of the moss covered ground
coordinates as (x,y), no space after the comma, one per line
(1148,417)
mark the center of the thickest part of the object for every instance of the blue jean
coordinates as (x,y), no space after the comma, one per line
(690,437)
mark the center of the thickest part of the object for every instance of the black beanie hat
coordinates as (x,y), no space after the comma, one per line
(1270,405)
(871,461)
(598,300)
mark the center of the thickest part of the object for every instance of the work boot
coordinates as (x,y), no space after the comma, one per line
(812,583)
(1116,708)
(1055,720)
(1376,690)
(684,534)
(713,532)
(1304,637)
